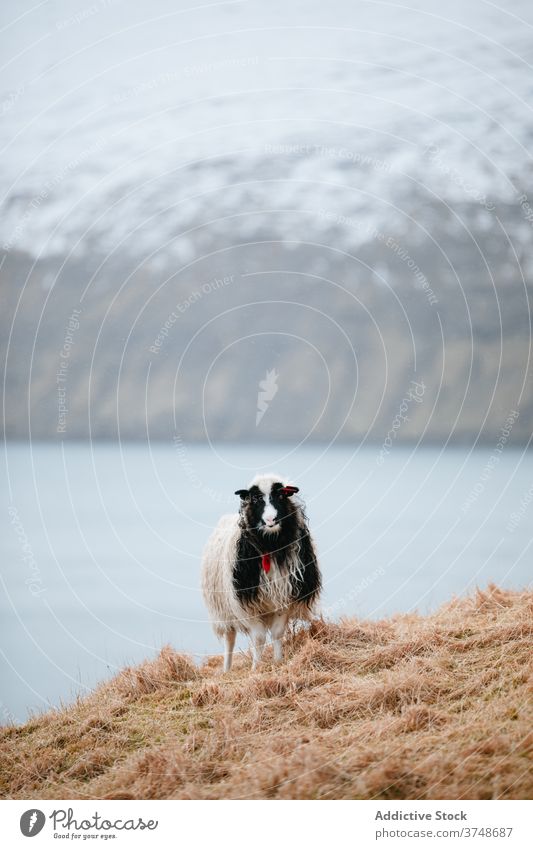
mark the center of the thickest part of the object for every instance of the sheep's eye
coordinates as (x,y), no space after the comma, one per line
(256,498)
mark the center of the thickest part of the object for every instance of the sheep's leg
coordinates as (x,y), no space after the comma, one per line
(229,644)
(258,634)
(277,629)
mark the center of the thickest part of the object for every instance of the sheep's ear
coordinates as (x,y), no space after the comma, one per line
(290,490)
(244,493)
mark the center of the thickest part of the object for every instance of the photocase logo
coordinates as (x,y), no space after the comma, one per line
(32,822)
(267,390)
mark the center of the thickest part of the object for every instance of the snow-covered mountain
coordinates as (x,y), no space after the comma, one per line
(385,147)
(128,123)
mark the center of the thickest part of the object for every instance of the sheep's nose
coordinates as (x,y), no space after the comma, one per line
(271,521)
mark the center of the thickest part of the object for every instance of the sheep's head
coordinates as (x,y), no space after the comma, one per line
(267,504)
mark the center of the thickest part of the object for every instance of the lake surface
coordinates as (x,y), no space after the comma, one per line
(101,544)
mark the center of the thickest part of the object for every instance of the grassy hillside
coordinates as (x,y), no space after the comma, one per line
(409,707)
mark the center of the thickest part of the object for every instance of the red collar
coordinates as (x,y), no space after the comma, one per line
(265,562)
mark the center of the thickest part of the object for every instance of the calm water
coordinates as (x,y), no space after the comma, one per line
(101,545)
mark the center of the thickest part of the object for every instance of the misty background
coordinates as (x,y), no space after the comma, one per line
(240,236)
(357,170)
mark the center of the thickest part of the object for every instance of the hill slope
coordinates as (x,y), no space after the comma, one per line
(410,707)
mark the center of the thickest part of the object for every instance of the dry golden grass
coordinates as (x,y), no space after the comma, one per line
(406,708)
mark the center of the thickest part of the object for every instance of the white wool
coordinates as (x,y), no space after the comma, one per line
(264,482)
(217,576)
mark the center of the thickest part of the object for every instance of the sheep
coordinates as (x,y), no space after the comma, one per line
(260,569)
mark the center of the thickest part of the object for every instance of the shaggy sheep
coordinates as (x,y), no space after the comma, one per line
(259,567)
